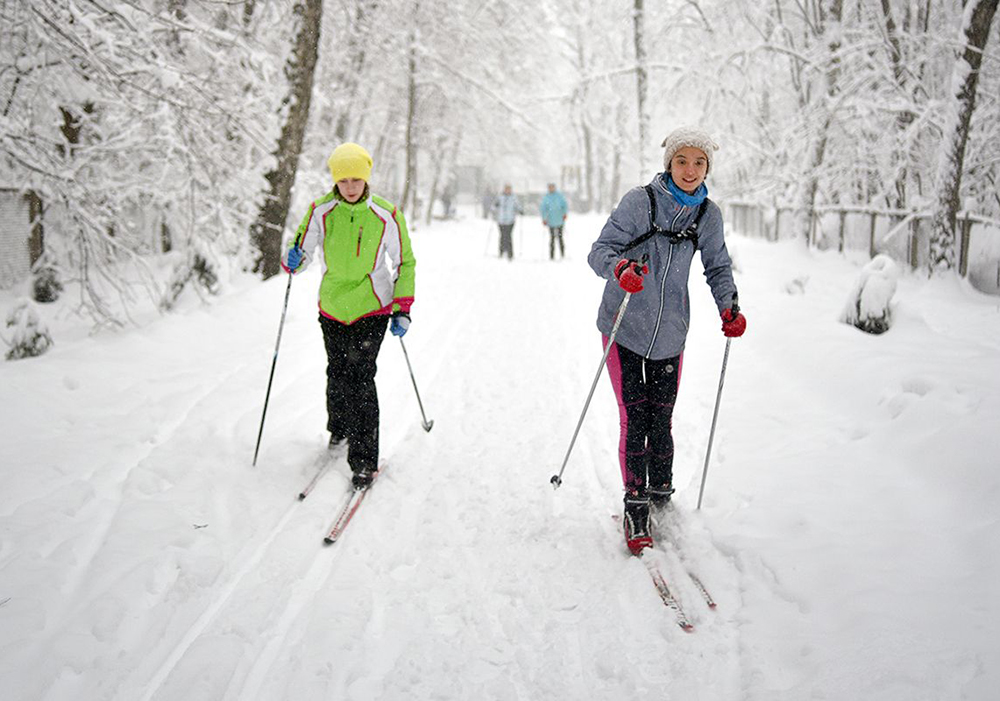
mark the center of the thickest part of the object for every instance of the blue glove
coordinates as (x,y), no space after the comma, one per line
(400,323)
(294,259)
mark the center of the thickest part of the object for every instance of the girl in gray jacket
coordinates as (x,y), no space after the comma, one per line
(645,249)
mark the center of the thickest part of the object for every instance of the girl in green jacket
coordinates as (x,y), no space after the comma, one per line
(368,281)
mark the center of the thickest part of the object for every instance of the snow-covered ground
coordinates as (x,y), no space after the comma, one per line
(849,530)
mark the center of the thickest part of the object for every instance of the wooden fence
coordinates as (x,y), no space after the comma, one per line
(903,235)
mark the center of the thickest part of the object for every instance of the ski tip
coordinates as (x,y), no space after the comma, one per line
(686,627)
(329,541)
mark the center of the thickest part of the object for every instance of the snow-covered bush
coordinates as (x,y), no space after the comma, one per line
(46,286)
(797,286)
(985,276)
(196,269)
(868,306)
(31,336)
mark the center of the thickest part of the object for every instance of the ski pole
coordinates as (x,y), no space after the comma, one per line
(428,425)
(489,230)
(274,362)
(715,414)
(557,479)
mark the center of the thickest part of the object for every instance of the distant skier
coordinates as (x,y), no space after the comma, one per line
(448,198)
(644,363)
(359,293)
(554,210)
(505,209)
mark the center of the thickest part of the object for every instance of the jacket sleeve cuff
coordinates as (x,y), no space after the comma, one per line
(402,304)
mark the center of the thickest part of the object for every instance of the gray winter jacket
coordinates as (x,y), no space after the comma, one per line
(655,323)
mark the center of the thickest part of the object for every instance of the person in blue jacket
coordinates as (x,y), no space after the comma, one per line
(645,250)
(554,210)
(505,209)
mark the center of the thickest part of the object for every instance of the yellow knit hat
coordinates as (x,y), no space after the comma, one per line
(350,161)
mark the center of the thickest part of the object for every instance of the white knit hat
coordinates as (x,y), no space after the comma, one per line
(687,136)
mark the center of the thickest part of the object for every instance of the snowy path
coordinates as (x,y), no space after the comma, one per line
(141,557)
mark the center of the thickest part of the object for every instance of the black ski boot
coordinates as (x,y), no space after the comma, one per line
(659,496)
(637,533)
(363,478)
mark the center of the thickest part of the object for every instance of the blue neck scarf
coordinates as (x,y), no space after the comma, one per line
(684,198)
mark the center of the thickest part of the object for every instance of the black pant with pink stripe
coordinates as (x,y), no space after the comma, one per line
(646,391)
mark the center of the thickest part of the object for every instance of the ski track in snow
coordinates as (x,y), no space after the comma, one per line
(73,601)
(212,611)
(172,570)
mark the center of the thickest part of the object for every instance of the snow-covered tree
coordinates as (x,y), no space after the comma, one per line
(269,227)
(139,127)
(976,23)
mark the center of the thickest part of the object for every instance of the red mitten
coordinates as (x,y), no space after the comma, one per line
(629,273)
(733,325)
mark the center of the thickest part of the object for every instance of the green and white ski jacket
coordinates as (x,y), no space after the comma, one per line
(368,263)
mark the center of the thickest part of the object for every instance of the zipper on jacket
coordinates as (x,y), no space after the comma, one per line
(358,252)
(663,284)
(663,287)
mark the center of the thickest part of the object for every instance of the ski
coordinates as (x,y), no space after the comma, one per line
(667,596)
(660,582)
(346,513)
(325,461)
(667,534)
(353,502)
(709,601)
(315,479)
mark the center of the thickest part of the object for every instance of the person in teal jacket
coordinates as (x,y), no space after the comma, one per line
(368,283)
(554,210)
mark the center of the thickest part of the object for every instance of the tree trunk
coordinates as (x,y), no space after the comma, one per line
(965,78)
(641,80)
(903,120)
(616,178)
(832,10)
(267,230)
(807,209)
(437,158)
(443,163)
(36,239)
(350,85)
(409,185)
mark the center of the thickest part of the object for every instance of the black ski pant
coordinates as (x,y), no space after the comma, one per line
(506,240)
(555,234)
(646,391)
(351,395)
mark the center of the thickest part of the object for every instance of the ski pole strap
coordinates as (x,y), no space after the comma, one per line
(688,234)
